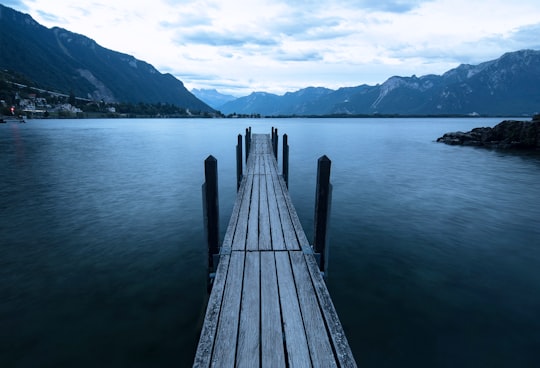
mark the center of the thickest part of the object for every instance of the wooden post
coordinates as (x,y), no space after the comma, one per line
(275,142)
(323,197)
(211,208)
(286,159)
(248,142)
(272,137)
(239,172)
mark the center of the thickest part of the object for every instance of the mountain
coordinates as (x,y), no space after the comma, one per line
(57,59)
(299,102)
(509,85)
(212,97)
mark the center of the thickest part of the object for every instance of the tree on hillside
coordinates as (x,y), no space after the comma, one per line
(72,100)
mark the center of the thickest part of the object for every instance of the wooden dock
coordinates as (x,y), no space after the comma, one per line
(269,305)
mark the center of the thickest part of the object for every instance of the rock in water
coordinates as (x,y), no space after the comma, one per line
(507,134)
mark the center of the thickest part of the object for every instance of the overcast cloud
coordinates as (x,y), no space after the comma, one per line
(241,46)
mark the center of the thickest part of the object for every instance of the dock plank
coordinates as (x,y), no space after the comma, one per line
(225,344)
(278,242)
(289,234)
(209,330)
(293,325)
(253,220)
(272,349)
(240,234)
(300,235)
(265,239)
(318,341)
(233,221)
(339,340)
(249,332)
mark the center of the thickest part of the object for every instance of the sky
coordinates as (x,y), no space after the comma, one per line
(278,46)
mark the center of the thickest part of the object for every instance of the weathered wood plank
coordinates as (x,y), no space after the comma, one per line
(289,233)
(256,165)
(255,138)
(295,336)
(253,220)
(300,234)
(272,161)
(266,164)
(228,239)
(250,155)
(339,340)
(262,145)
(227,333)
(240,234)
(272,349)
(265,240)
(320,347)
(211,318)
(259,169)
(247,354)
(278,242)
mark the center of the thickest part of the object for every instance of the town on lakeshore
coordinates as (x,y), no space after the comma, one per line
(19,100)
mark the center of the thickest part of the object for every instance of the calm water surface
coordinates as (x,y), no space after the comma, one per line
(434,258)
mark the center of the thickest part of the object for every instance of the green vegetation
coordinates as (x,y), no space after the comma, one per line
(19,92)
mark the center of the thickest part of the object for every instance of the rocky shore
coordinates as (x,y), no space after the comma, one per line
(509,134)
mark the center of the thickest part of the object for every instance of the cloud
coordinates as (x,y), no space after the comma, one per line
(216,38)
(17,4)
(390,6)
(50,17)
(186,23)
(298,56)
(526,37)
(299,24)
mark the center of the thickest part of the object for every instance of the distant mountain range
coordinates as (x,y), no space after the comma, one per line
(56,59)
(509,85)
(212,97)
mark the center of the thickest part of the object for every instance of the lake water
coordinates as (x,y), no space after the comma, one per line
(434,258)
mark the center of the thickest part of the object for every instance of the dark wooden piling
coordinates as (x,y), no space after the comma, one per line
(211,208)
(248,142)
(285,158)
(239,172)
(323,197)
(275,142)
